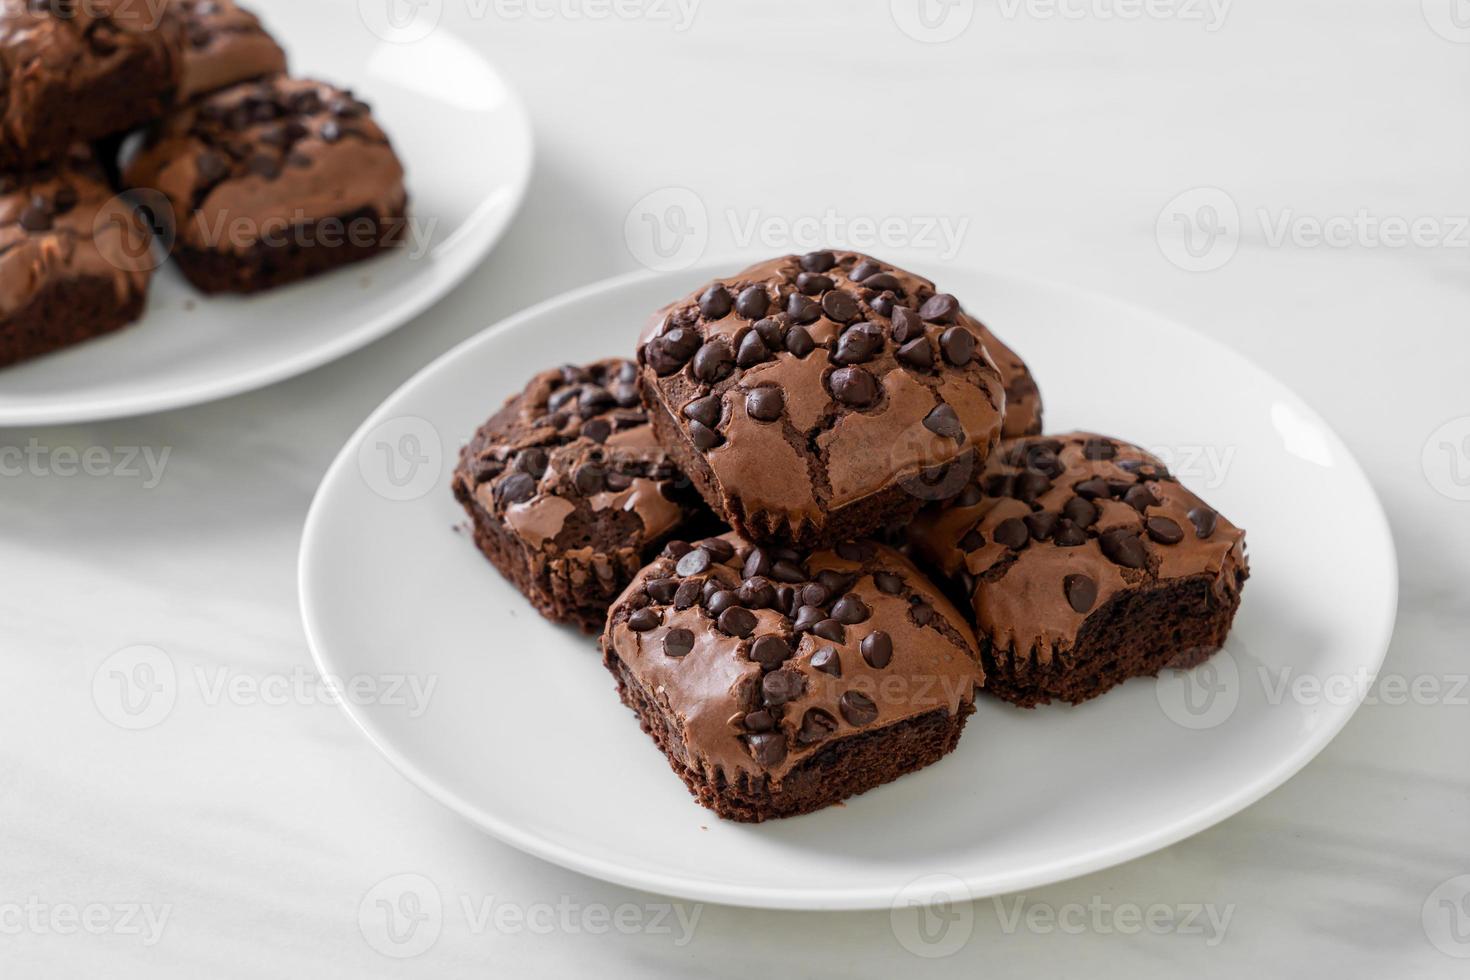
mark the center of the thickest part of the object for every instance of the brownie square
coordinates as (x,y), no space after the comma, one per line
(77,72)
(779,682)
(224,44)
(569,492)
(75,261)
(1085,563)
(271,182)
(817,398)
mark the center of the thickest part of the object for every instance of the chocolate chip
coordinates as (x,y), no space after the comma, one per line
(706,410)
(703,437)
(1164,531)
(1099,449)
(922,612)
(1081,592)
(850,610)
(813,283)
(759,721)
(802,309)
(265,166)
(815,594)
(661,589)
(1122,547)
(799,342)
(942,421)
(970,496)
(906,325)
(864,269)
(594,400)
(588,479)
(713,361)
(768,749)
(839,306)
(722,600)
(765,404)
(781,686)
(1140,498)
(958,345)
(786,570)
(1092,489)
(816,725)
(753,302)
(752,350)
(757,593)
(719,548)
(597,430)
(858,344)
(854,387)
(517,488)
(714,302)
(888,583)
(1029,485)
(882,305)
(939,308)
(830,629)
(644,620)
(756,563)
(694,563)
(670,352)
(769,331)
(1013,533)
(677,642)
(806,618)
(736,621)
(1042,525)
(35,219)
(1204,520)
(856,550)
(917,353)
(677,549)
(770,652)
(1069,534)
(882,281)
(828,661)
(212,167)
(687,595)
(818,261)
(1081,511)
(857,708)
(877,649)
(66,198)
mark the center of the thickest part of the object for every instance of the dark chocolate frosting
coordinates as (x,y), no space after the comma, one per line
(1057,526)
(765,656)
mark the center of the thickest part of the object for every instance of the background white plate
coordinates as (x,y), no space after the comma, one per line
(525,736)
(466,143)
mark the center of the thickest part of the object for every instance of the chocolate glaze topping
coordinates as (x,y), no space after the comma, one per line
(224,44)
(766,655)
(809,383)
(1058,526)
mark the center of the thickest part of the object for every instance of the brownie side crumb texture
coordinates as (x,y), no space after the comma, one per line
(778,682)
(75,261)
(77,72)
(273,181)
(1085,563)
(568,491)
(827,394)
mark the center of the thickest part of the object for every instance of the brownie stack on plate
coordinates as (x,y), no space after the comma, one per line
(875,487)
(251,178)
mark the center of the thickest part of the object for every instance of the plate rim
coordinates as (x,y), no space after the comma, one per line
(690,886)
(459,263)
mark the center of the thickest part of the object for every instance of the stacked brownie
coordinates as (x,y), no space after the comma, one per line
(255,179)
(871,462)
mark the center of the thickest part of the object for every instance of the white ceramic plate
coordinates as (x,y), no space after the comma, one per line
(465,140)
(525,736)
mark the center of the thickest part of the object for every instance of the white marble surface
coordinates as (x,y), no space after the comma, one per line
(258,829)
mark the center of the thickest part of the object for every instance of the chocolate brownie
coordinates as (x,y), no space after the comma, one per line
(1023,397)
(271,182)
(74,259)
(779,682)
(224,44)
(816,398)
(80,70)
(1086,563)
(568,491)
